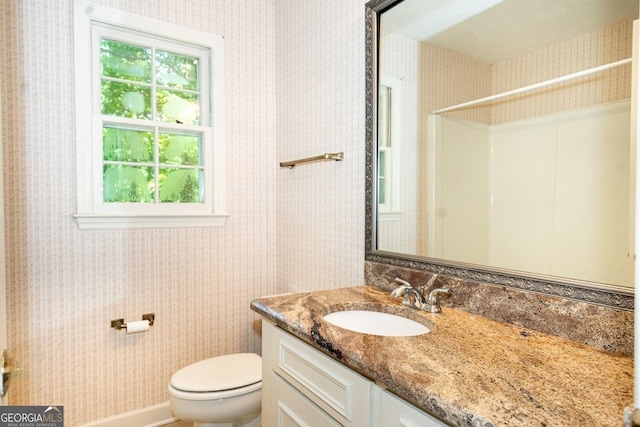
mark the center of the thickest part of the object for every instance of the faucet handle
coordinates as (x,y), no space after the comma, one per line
(433,301)
(400,291)
(402,282)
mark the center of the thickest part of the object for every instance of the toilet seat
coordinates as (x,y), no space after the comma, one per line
(218,377)
(214,395)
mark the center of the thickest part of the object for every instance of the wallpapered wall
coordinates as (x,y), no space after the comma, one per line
(601,47)
(320,86)
(294,88)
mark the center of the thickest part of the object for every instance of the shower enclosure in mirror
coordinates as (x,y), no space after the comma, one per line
(503,144)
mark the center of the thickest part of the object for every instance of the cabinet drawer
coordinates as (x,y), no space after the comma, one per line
(295,410)
(333,387)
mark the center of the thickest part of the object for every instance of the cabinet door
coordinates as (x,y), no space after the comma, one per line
(395,412)
(340,392)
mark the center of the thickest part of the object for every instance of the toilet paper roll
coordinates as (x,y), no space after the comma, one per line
(139,326)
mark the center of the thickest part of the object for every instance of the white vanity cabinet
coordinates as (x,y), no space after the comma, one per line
(303,387)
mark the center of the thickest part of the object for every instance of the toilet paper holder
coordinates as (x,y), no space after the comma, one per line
(120,324)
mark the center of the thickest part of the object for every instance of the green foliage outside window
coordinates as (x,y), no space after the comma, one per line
(127,184)
(180,185)
(126,145)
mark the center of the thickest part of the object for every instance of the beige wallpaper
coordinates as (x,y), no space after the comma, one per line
(320,108)
(605,46)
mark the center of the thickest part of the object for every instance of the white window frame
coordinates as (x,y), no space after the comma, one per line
(92,212)
(392,209)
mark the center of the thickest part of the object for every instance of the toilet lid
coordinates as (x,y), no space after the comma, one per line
(219,373)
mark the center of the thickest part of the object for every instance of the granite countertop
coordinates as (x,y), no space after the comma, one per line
(469,370)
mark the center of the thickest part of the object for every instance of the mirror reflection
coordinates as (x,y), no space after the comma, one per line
(504,135)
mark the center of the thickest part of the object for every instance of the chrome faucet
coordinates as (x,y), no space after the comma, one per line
(411,297)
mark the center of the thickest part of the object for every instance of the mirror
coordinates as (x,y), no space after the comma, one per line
(499,142)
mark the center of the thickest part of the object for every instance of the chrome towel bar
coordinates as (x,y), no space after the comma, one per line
(325,156)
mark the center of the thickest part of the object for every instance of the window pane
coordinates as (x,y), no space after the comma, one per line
(126,145)
(382,176)
(382,163)
(128,184)
(382,191)
(177,71)
(178,107)
(125,61)
(126,100)
(180,185)
(179,149)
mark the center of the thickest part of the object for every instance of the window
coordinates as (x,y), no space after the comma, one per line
(384,149)
(150,122)
(388,145)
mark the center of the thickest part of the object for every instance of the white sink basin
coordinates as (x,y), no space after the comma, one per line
(376,323)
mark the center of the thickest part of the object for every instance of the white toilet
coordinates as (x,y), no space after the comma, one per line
(223,391)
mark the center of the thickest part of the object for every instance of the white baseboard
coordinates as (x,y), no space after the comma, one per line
(151,416)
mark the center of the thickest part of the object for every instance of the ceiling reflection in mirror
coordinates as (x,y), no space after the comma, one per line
(503,136)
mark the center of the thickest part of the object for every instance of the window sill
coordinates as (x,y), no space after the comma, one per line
(390,216)
(121,222)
